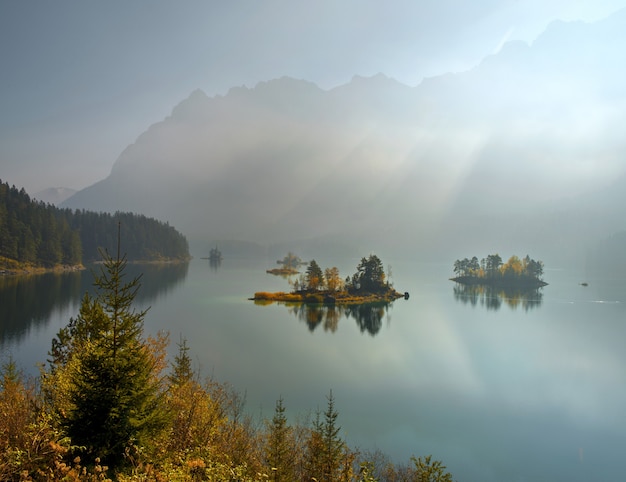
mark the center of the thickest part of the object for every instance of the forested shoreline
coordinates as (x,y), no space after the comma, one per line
(37,236)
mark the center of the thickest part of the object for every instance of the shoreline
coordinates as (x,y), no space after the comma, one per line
(22,270)
(36,270)
(325,298)
(528,283)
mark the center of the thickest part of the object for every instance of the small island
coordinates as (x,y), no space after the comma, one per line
(517,273)
(290,264)
(368,285)
(214,255)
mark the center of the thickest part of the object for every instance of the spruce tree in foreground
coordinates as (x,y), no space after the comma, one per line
(279,450)
(105,377)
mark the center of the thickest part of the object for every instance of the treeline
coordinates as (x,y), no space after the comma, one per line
(108,406)
(492,267)
(369,278)
(33,233)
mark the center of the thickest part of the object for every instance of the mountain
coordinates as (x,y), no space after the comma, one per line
(55,195)
(501,158)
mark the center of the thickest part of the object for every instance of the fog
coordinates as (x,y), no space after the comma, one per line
(506,156)
(439,128)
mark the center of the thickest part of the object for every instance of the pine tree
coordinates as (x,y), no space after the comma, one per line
(182,371)
(428,470)
(314,276)
(332,444)
(108,375)
(279,455)
(324,448)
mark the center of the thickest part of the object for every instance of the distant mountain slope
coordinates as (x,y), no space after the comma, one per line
(54,195)
(484,156)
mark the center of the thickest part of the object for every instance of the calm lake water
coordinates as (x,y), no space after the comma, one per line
(498,389)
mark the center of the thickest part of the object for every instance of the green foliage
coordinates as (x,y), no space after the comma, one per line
(144,238)
(492,267)
(428,470)
(279,446)
(42,235)
(182,371)
(314,276)
(324,449)
(105,375)
(370,275)
(34,233)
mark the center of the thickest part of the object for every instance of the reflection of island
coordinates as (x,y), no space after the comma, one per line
(492,298)
(214,257)
(369,316)
(323,297)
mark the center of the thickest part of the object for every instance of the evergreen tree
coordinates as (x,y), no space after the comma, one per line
(428,470)
(332,444)
(314,276)
(370,275)
(279,456)
(314,449)
(111,394)
(324,448)
(182,371)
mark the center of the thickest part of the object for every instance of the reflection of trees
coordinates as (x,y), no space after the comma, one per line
(215,263)
(28,301)
(369,316)
(492,298)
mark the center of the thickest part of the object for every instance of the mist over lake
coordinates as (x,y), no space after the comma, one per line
(498,391)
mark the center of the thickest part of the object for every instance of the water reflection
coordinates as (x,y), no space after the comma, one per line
(369,316)
(215,263)
(492,298)
(27,302)
(34,298)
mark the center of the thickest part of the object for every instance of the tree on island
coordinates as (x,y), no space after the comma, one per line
(290,261)
(370,275)
(333,279)
(368,284)
(491,270)
(314,277)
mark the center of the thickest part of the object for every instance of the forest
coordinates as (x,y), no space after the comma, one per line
(492,271)
(35,234)
(109,405)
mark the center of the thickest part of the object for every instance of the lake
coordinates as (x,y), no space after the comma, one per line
(509,389)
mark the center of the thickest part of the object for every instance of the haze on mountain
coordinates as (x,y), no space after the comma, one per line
(54,195)
(523,152)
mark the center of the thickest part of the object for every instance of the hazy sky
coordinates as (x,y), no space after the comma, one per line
(81,80)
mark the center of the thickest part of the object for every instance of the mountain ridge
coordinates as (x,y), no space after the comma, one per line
(287,159)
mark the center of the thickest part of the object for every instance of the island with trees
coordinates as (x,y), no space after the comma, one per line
(525,273)
(290,264)
(369,284)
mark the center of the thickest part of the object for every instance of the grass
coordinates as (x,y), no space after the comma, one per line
(324,297)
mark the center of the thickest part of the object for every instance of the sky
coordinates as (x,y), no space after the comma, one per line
(80,81)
